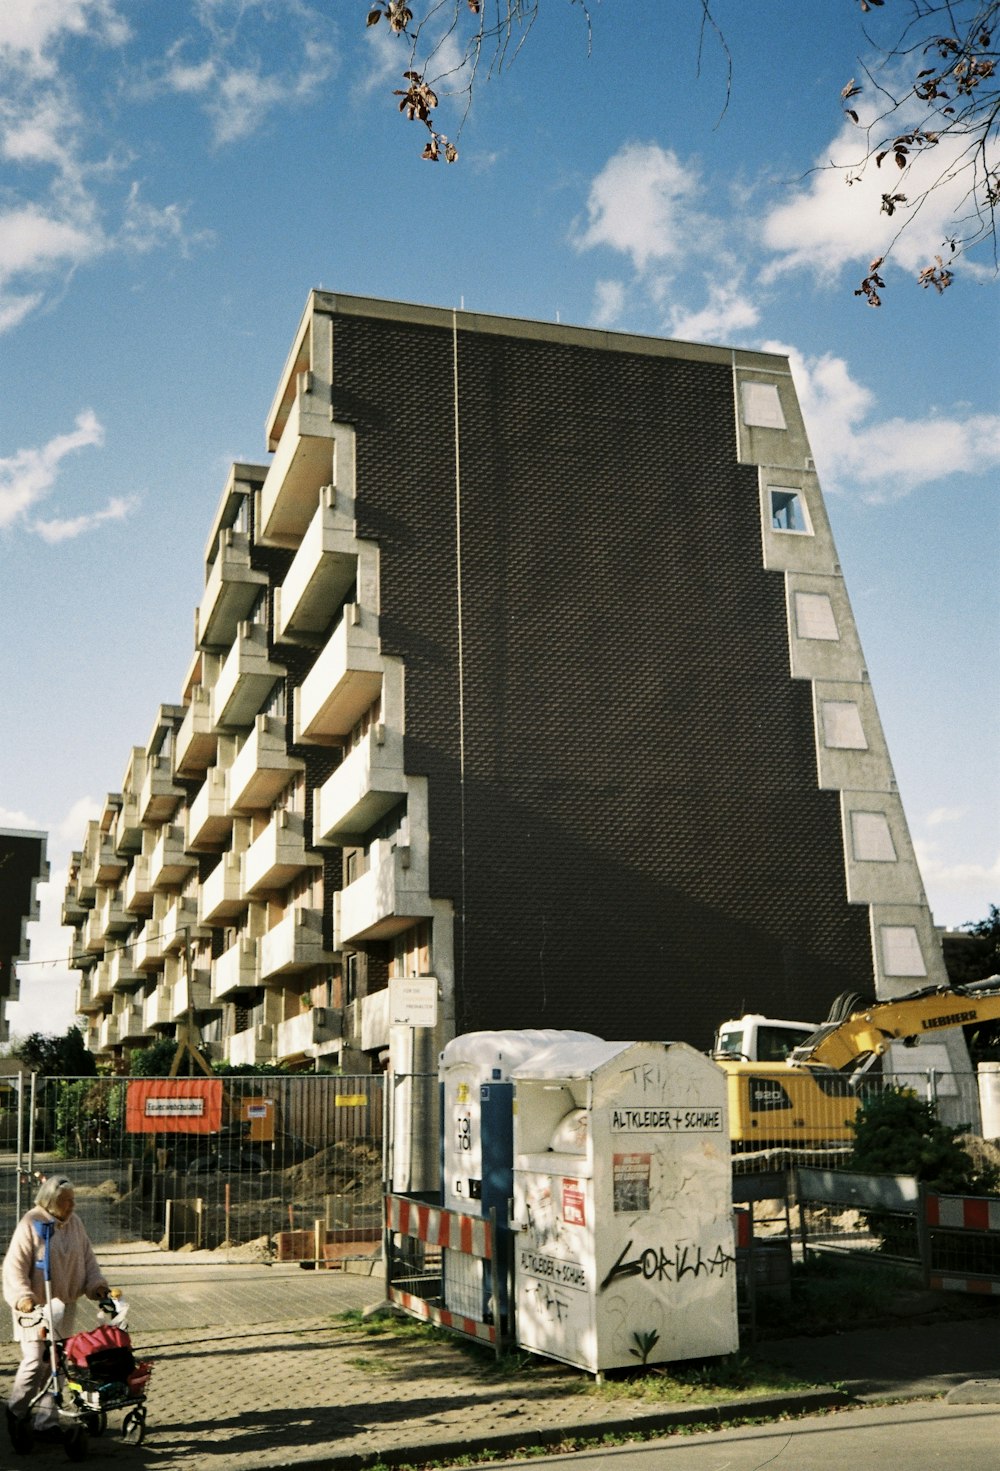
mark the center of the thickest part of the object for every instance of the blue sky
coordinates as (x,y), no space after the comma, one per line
(174,179)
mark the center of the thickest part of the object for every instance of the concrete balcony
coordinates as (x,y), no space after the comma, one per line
(343,682)
(235,969)
(306,1035)
(108,863)
(245,680)
(157,1009)
(277,856)
(208,820)
(107,1033)
(385,900)
(122,971)
(302,464)
(231,589)
(85,1002)
(254,1045)
(148,947)
(129,1029)
(137,891)
(263,767)
(106,920)
(196,740)
(99,987)
(170,864)
(127,829)
(179,924)
(73,912)
(365,786)
(160,794)
(220,897)
(320,577)
(294,944)
(190,994)
(82,882)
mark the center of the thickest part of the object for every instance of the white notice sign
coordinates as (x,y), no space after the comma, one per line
(413,1001)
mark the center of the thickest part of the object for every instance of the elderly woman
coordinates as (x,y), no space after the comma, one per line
(73,1273)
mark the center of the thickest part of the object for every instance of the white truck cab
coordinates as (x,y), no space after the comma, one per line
(756,1038)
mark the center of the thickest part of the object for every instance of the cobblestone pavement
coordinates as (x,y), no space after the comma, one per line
(256,1368)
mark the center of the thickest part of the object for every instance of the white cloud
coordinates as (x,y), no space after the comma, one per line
(147,227)
(642,203)
(883,459)
(27,476)
(31,29)
(68,528)
(32,240)
(728,312)
(609,302)
(829,223)
(961,890)
(940,816)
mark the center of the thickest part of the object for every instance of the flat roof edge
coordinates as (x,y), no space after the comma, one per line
(339,304)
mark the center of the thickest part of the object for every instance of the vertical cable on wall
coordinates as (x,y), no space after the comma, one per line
(461,646)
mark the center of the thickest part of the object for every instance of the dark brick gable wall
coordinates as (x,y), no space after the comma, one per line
(644,849)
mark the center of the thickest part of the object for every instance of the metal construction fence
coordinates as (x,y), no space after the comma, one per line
(249,1167)
(807,1118)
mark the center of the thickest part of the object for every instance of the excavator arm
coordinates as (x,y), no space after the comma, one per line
(869,1029)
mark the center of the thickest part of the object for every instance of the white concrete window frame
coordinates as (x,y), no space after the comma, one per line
(786,504)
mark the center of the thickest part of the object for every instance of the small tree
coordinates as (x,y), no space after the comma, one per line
(63,1057)
(897,1133)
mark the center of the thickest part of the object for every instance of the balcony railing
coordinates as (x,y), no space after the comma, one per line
(277,856)
(321,574)
(137,891)
(294,944)
(127,830)
(304,1035)
(129,1028)
(220,897)
(343,682)
(302,464)
(170,864)
(157,1009)
(160,794)
(235,969)
(122,971)
(179,923)
(245,680)
(254,1045)
(263,767)
(231,589)
(192,994)
(383,901)
(148,946)
(208,819)
(365,786)
(196,739)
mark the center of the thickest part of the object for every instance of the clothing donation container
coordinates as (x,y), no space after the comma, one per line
(477,1145)
(623,1229)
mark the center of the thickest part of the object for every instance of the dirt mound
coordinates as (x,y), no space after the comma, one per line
(340,1168)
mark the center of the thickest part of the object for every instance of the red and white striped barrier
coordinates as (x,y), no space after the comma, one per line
(952,1282)
(421,1308)
(470,1235)
(963,1212)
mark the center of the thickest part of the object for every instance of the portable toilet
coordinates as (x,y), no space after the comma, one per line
(623,1223)
(477,1145)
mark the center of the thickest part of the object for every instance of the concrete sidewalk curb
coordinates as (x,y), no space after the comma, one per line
(642,1425)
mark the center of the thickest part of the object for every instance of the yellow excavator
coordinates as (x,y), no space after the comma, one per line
(811,1098)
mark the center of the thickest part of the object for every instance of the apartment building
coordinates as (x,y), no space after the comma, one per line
(23,865)
(525,662)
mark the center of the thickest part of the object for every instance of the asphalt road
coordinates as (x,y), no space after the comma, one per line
(922,1436)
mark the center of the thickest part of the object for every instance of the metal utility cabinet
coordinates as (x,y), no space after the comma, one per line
(624,1248)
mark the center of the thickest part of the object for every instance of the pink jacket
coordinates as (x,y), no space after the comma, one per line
(73,1267)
